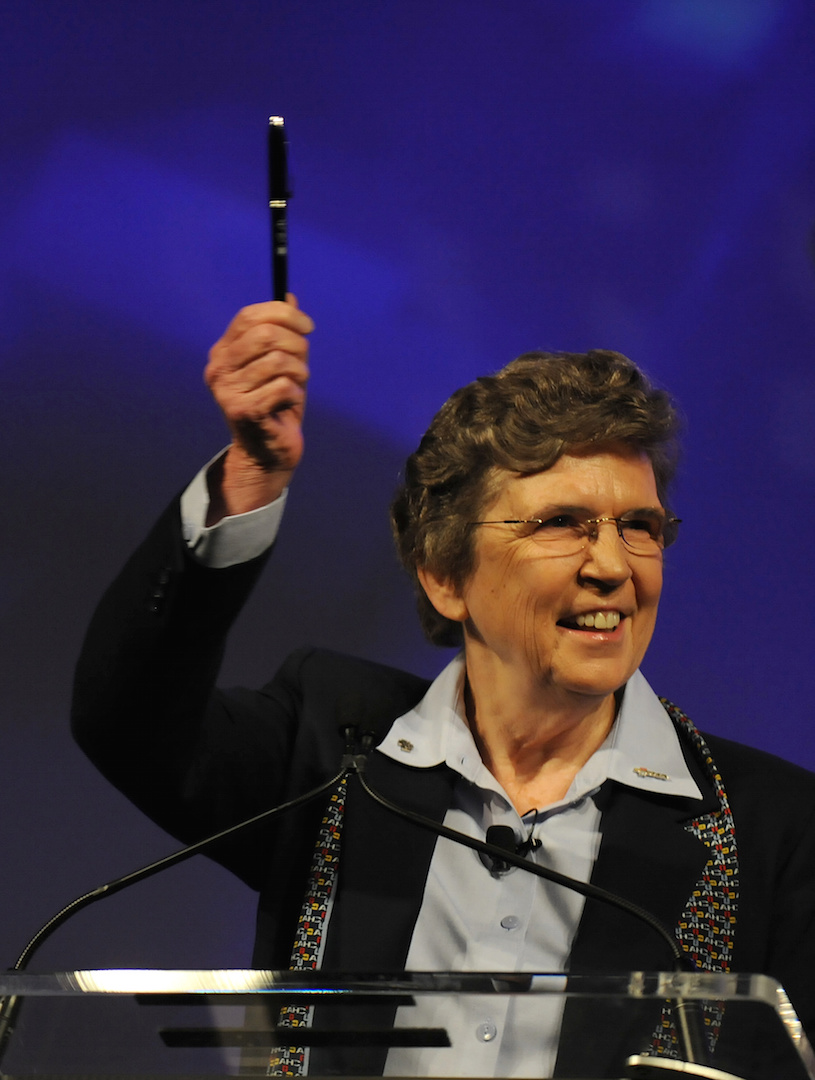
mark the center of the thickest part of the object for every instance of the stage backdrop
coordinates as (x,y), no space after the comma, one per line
(473,178)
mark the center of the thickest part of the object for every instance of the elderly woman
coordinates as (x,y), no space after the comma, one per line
(533,520)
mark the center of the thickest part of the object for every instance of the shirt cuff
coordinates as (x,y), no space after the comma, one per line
(234,539)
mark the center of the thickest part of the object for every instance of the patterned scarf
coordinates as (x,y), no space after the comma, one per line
(290,1059)
(708,920)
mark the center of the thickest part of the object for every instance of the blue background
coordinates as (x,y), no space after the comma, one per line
(473,178)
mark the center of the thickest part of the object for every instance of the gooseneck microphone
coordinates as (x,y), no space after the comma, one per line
(500,847)
(351,762)
(506,852)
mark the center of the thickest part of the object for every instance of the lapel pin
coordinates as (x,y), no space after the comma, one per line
(650,774)
(406,745)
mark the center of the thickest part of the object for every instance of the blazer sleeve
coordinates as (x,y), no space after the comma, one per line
(145,708)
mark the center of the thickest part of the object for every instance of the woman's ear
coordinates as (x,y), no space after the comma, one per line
(443,595)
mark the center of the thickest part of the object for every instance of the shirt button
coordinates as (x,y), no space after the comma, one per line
(486,1032)
(510,922)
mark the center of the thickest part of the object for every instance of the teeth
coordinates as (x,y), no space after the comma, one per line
(600,620)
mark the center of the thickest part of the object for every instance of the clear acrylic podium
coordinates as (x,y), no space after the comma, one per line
(137,1024)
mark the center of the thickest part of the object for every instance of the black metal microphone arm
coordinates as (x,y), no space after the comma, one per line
(354,760)
(687,1013)
(11,1004)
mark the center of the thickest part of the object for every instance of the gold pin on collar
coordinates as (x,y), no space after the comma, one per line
(650,774)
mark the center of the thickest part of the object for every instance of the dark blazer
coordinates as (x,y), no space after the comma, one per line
(195,760)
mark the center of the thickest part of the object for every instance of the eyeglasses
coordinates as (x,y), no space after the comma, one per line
(566,534)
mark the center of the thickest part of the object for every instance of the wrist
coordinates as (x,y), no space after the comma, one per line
(238,484)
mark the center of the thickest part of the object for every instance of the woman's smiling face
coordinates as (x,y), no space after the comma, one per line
(574,624)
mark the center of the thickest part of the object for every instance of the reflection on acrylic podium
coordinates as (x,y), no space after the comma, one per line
(153,1023)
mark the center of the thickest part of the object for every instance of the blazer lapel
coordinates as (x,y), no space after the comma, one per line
(647,856)
(384,863)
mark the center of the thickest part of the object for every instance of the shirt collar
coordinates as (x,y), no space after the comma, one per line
(642,749)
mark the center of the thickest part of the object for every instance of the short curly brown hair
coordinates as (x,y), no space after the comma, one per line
(520,420)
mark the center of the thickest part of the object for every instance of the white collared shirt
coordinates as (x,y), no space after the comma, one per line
(473,919)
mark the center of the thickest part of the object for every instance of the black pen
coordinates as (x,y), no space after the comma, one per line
(279,195)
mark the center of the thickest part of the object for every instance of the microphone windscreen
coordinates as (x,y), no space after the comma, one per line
(503,836)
